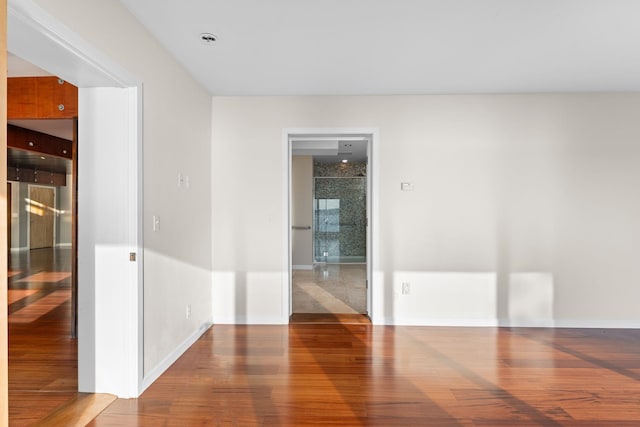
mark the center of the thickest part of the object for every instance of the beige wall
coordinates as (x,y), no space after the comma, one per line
(524,209)
(176,129)
(302,211)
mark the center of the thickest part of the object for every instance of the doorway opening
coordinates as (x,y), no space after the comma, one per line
(330,240)
(109,237)
(41,217)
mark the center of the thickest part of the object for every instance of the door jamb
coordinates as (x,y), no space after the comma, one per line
(373,296)
(41,39)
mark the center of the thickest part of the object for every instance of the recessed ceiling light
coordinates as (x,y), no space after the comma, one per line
(43,158)
(208,38)
(345,161)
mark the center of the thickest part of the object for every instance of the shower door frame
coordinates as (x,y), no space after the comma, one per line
(375,290)
(315,230)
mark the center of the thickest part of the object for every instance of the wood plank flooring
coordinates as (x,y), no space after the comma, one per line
(358,374)
(337,371)
(42,355)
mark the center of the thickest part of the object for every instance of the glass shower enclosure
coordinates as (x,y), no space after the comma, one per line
(340,219)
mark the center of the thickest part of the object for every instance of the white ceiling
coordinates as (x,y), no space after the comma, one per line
(18,67)
(291,47)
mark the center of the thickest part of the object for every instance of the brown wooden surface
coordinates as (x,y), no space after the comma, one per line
(363,375)
(35,176)
(38,142)
(8,218)
(340,374)
(343,318)
(3,220)
(78,411)
(42,355)
(74,231)
(40,98)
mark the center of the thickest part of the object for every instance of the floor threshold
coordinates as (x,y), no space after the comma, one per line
(330,318)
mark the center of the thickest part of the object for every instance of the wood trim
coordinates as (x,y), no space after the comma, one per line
(74,231)
(4,383)
(41,98)
(8,219)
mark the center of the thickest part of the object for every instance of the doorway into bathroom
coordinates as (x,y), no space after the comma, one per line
(329,224)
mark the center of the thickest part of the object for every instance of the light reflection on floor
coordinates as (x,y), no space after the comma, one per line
(46,276)
(14,295)
(34,311)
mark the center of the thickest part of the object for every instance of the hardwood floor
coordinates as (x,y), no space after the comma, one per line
(42,355)
(313,372)
(357,375)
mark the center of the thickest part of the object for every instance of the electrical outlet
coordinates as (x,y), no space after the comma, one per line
(188,312)
(406,288)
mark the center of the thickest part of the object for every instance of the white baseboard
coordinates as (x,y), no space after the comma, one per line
(534,323)
(253,320)
(63,245)
(519,323)
(441,322)
(302,267)
(16,250)
(170,359)
(597,324)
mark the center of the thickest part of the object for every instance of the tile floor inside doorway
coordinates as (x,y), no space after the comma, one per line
(330,288)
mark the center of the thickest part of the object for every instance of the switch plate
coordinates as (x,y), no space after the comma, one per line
(406,288)
(156,223)
(183,181)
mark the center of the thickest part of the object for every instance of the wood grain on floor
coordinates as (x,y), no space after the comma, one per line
(358,374)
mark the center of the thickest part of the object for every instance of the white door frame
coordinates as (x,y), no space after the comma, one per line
(41,39)
(373,294)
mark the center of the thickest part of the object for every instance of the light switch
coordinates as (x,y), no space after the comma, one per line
(406,186)
(156,223)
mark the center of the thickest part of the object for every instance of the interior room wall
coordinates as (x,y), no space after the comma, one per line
(302,211)
(176,129)
(524,209)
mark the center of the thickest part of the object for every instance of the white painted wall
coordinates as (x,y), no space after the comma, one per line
(302,211)
(104,245)
(176,129)
(524,209)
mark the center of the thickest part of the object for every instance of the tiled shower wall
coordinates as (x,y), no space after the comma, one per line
(340,212)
